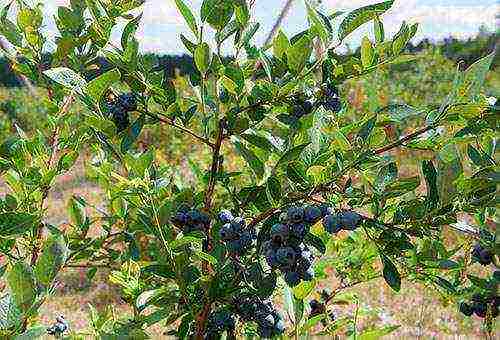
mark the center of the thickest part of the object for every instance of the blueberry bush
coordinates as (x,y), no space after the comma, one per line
(293,188)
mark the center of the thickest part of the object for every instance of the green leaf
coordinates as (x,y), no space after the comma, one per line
(217,13)
(202,57)
(387,174)
(98,86)
(291,155)
(280,44)
(367,53)
(273,190)
(317,24)
(430,175)
(260,141)
(475,76)
(377,333)
(16,223)
(400,39)
(253,161)
(207,257)
(316,242)
(378,28)
(298,54)
(190,46)
(188,16)
(130,30)
(442,282)
(32,333)
(449,169)
(67,78)
(21,282)
(76,211)
(184,240)
(54,254)
(391,274)
(132,134)
(360,16)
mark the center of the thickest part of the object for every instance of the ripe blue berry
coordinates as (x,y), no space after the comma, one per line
(350,220)
(295,214)
(226,232)
(225,216)
(299,230)
(466,309)
(292,278)
(279,232)
(128,101)
(238,224)
(332,224)
(481,255)
(312,214)
(286,256)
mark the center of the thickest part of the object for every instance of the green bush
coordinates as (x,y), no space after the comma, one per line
(294,180)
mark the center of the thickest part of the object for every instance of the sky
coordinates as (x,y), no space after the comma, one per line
(162,23)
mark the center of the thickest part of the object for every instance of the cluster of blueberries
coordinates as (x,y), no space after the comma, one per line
(479,306)
(481,255)
(344,220)
(190,220)
(237,238)
(329,100)
(58,327)
(285,248)
(269,321)
(119,110)
(219,322)
(301,107)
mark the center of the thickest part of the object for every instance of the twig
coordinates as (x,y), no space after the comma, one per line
(53,141)
(170,122)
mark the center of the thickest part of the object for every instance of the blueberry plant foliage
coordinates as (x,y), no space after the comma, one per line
(296,194)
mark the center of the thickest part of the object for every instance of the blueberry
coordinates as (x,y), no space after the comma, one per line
(204,218)
(307,106)
(286,255)
(180,218)
(120,118)
(308,275)
(128,101)
(326,210)
(350,220)
(238,224)
(271,259)
(292,278)
(481,255)
(226,232)
(480,309)
(295,214)
(298,111)
(312,214)
(466,309)
(496,275)
(332,223)
(225,216)
(247,238)
(234,246)
(193,217)
(299,230)
(279,232)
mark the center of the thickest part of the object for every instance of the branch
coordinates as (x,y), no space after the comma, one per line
(214,168)
(404,139)
(170,122)
(52,149)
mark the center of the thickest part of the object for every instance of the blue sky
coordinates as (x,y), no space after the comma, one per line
(162,23)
